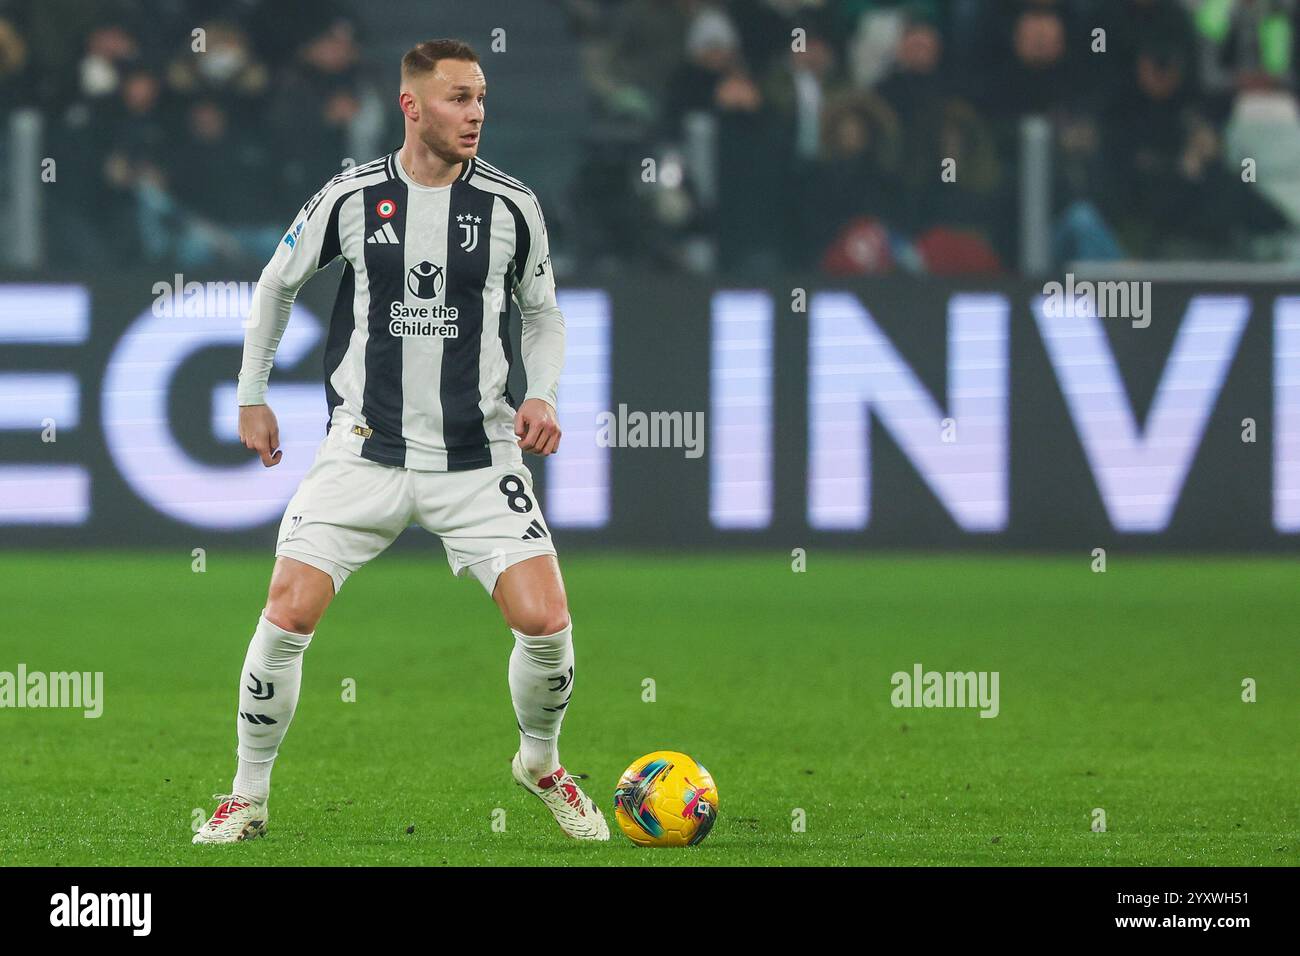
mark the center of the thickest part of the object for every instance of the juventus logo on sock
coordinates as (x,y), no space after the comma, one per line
(559,684)
(257,691)
(561,681)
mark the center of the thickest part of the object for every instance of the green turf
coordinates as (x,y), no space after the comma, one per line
(1119,690)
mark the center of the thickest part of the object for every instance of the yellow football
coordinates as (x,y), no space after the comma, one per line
(666,799)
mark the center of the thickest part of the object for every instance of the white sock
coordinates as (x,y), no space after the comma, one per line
(541,680)
(253,780)
(540,757)
(268,696)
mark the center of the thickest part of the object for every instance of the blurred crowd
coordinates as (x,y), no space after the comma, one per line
(170,157)
(748,136)
(869,136)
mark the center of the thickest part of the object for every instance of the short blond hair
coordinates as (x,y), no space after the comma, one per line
(423,57)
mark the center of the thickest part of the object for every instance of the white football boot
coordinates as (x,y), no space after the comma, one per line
(573,810)
(236,819)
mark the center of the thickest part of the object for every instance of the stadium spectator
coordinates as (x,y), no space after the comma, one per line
(857,192)
(100,138)
(203,205)
(629,52)
(941,131)
(713,54)
(226,69)
(317,108)
(796,91)
(1171,193)
(716,104)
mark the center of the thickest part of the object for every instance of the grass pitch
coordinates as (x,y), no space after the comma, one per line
(1120,691)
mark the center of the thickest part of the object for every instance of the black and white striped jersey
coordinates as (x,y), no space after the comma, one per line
(418,352)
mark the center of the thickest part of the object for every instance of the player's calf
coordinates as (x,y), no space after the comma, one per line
(541,684)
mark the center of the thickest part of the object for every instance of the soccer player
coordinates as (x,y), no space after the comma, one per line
(421,425)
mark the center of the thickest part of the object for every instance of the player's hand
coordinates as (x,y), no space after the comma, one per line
(259,431)
(537,428)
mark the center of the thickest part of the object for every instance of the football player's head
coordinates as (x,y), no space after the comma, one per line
(442,97)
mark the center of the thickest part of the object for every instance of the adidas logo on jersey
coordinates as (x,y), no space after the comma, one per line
(535,530)
(384,235)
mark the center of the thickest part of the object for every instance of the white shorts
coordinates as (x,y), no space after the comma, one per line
(348,509)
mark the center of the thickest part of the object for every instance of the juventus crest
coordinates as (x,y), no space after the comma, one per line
(469,229)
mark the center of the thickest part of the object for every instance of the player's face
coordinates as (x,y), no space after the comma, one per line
(450,102)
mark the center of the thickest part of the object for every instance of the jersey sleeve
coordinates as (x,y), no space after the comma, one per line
(535,288)
(310,245)
(542,335)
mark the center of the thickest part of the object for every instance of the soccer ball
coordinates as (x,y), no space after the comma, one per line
(666,799)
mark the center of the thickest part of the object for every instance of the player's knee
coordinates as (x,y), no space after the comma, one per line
(298,596)
(538,618)
(292,608)
(290,617)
